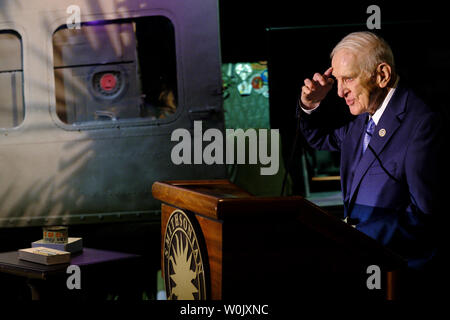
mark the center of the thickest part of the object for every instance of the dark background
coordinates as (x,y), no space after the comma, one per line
(243,23)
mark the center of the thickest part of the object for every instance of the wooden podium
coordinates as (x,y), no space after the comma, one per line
(220,242)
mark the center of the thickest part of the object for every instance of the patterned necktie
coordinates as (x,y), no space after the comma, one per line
(369,131)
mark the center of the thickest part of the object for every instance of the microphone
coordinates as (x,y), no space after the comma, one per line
(294,146)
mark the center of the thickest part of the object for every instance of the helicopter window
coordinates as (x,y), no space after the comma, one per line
(116,70)
(11,84)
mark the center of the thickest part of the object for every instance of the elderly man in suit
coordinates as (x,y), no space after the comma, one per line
(389,150)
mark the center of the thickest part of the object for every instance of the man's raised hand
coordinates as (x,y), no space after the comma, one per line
(315,90)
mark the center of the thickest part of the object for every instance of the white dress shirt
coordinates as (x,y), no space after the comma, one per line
(377,115)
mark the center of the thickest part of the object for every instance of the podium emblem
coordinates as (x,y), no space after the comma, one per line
(184,264)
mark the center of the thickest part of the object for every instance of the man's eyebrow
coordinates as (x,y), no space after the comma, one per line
(346,75)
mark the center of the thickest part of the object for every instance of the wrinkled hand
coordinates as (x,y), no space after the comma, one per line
(315,90)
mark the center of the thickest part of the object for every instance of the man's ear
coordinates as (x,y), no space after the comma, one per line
(384,74)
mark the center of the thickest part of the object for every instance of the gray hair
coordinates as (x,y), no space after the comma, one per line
(370,48)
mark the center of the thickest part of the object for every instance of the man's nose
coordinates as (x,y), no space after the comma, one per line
(341,89)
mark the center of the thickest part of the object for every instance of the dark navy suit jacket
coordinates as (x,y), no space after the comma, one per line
(390,190)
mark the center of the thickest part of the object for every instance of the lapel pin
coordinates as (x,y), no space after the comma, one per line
(382,132)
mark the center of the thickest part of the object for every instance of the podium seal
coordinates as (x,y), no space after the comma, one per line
(184,259)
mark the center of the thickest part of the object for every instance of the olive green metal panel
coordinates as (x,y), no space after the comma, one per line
(55,172)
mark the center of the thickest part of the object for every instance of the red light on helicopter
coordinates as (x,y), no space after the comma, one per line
(108,82)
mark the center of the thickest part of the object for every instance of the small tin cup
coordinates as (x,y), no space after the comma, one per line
(55,234)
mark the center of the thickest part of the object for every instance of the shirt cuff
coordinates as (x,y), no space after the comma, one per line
(307,111)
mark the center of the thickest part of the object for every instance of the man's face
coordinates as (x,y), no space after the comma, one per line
(353,84)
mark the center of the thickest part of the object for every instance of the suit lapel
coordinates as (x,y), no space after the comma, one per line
(385,129)
(351,154)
